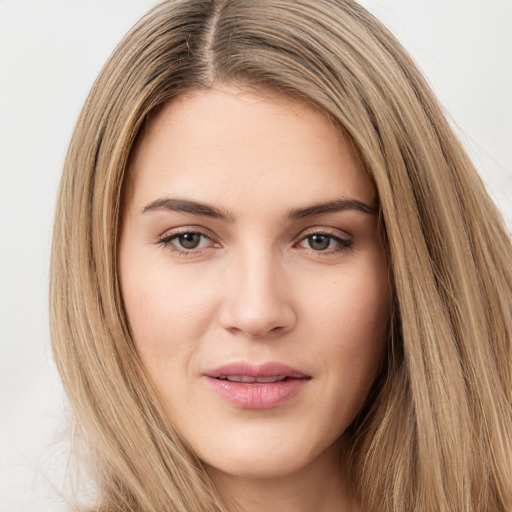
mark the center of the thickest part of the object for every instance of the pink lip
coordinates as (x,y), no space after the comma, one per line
(257,395)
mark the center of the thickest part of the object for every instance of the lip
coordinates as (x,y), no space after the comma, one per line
(256,395)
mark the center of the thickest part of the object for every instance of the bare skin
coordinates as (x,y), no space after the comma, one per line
(250,240)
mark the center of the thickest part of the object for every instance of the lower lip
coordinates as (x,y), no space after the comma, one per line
(257,395)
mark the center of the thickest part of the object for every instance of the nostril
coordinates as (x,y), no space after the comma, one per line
(256,306)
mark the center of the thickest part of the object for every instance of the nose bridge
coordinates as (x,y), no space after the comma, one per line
(259,301)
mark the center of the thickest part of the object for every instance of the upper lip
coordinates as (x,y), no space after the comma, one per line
(271,369)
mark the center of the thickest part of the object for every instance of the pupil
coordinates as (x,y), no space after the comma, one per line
(189,240)
(319,242)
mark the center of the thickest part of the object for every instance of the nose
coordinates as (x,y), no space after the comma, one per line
(257,303)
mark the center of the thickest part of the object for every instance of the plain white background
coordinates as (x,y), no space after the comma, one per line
(50,54)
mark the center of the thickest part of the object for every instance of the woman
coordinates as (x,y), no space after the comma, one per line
(277,281)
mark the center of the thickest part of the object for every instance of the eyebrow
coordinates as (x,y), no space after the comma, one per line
(198,208)
(184,205)
(337,205)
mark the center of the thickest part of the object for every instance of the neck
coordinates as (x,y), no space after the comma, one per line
(322,486)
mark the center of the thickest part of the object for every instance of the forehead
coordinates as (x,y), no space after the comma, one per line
(229,145)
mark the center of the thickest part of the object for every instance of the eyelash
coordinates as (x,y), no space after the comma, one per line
(344,244)
(166,241)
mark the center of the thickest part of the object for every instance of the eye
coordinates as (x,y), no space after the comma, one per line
(189,240)
(186,241)
(319,242)
(325,242)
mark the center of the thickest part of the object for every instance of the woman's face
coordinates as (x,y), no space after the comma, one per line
(254,278)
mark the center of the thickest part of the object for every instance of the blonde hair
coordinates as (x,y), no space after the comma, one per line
(436,431)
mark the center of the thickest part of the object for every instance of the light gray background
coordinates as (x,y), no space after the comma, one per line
(50,53)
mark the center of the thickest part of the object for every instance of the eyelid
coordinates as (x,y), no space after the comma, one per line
(344,239)
(166,238)
(325,230)
(180,230)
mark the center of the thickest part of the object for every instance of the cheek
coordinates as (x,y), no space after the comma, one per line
(356,304)
(167,311)
(353,321)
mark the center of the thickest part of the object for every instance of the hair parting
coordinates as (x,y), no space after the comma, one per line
(436,431)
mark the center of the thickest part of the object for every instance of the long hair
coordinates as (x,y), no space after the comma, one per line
(436,431)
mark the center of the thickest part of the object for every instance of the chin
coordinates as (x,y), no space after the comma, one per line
(265,466)
(268,455)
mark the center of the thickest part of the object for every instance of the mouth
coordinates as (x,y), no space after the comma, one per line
(265,386)
(246,379)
